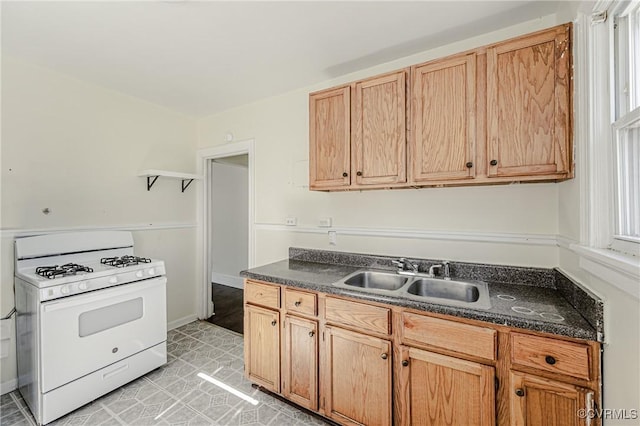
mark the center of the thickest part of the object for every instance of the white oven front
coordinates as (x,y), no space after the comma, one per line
(81,334)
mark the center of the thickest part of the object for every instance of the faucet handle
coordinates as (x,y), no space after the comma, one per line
(447,270)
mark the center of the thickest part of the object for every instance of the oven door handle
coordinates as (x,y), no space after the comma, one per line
(102,295)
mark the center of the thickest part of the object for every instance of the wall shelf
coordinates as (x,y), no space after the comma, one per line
(152,175)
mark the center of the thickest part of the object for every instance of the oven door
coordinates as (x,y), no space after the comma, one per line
(83,333)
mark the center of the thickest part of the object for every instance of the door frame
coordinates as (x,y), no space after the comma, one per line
(204,208)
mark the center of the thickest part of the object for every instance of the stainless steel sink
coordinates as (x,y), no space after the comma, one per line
(376,280)
(455,290)
(465,293)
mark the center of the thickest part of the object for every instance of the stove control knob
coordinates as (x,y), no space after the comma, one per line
(83,285)
(113,280)
(139,274)
(65,289)
(151,271)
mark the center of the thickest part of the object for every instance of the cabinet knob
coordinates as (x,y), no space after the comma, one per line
(405,363)
(520,392)
(384,356)
(312,333)
(274,322)
(469,164)
(494,162)
(550,360)
(345,174)
(298,303)
(359,173)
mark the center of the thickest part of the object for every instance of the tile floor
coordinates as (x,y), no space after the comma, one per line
(175,395)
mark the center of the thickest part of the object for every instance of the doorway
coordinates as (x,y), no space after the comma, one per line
(225,230)
(229,238)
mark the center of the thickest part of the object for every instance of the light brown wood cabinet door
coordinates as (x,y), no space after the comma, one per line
(528,105)
(537,401)
(442,390)
(300,362)
(330,138)
(358,378)
(262,346)
(444,120)
(379,130)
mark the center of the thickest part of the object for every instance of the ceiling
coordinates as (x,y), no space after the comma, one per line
(200,58)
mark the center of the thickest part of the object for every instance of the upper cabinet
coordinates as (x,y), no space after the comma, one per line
(357,134)
(528,105)
(444,123)
(498,113)
(379,130)
(330,138)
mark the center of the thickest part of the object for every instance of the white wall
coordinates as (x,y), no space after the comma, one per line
(279,126)
(76,149)
(230,221)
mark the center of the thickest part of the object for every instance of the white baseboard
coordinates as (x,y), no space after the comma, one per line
(181,321)
(228,280)
(8,386)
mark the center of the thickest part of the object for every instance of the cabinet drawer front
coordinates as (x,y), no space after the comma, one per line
(300,302)
(571,359)
(450,335)
(365,317)
(262,294)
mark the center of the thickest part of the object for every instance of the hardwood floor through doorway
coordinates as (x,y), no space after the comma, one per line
(228,309)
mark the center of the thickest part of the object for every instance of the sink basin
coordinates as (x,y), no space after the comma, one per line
(376,280)
(455,290)
(471,294)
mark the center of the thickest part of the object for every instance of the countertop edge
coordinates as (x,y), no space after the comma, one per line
(478,315)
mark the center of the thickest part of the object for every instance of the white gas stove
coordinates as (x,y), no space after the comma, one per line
(91,316)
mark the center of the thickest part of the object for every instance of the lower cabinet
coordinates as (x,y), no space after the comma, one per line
(262,346)
(361,363)
(442,390)
(300,361)
(540,401)
(357,378)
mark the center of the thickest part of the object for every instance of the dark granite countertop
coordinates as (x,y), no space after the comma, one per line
(542,306)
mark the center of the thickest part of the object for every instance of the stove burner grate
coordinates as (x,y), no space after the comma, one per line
(56,271)
(121,262)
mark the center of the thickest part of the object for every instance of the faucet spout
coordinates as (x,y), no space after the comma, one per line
(405,266)
(432,270)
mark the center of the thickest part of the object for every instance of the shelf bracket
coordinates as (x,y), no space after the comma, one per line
(187,185)
(151,180)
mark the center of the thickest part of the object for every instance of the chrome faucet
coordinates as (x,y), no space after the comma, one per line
(447,270)
(404,265)
(432,270)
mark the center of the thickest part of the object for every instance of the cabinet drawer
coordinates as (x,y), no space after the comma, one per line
(449,335)
(262,294)
(571,359)
(300,302)
(359,315)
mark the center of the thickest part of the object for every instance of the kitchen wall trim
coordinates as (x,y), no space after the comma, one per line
(421,234)
(181,321)
(19,232)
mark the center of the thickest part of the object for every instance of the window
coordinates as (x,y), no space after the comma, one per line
(626,127)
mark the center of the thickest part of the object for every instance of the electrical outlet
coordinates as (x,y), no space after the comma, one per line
(325,222)
(333,238)
(291,221)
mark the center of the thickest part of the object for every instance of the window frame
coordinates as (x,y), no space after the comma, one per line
(595,112)
(625,96)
